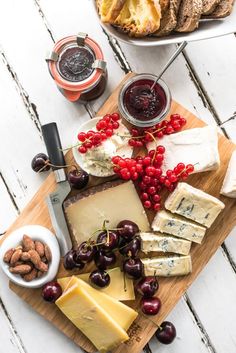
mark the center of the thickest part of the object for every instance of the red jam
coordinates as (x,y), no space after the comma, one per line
(142,103)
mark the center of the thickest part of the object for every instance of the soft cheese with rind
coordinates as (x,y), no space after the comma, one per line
(168,266)
(164,243)
(112,201)
(194,204)
(229,184)
(197,146)
(166,222)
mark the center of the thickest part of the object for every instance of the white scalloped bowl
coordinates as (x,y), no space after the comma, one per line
(36,232)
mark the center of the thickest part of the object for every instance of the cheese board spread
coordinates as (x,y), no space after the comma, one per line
(118,272)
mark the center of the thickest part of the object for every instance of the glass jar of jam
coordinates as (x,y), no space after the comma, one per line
(78,68)
(141,104)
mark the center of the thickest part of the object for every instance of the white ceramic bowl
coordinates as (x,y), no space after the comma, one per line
(36,232)
(125,152)
(207,29)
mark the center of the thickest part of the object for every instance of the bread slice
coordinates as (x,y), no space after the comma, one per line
(189,15)
(109,9)
(224,9)
(169,19)
(209,6)
(139,17)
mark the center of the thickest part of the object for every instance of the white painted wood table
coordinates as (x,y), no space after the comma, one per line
(203,79)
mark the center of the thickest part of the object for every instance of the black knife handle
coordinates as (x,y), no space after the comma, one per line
(53,145)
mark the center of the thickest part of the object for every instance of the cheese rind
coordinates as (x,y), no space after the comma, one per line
(229,184)
(112,201)
(194,204)
(91,319)
(116,288)
(164,243)
(197,146)
(166,222)
(168,266)
(121,313)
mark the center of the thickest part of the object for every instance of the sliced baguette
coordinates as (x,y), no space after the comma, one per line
(169,19)
(139,18)
(209,6)
(222,10)
(189,15)
(109,9)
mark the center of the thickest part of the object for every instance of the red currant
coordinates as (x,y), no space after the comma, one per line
(156,198)
(115,125)
(146,179)
(132,142)
(82,136)
(82,149)
(115,116)
(189,168)
(157,206)
(147,204)
(147,160)
(151,190)
(134,132)
(144,196)
(161,149)
(109,132)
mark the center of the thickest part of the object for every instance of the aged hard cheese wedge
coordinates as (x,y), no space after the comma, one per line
(116,289)
(166,222)
(194,204)
(112,201)
(121,313)
(168,266)
(229,184)
(83,310)
(164,243)
(197,146)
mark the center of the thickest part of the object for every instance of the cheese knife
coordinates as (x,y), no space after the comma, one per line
(55,199)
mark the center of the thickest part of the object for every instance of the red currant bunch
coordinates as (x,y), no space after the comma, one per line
(105,129)
(166,127)
(179,173)
(127,168)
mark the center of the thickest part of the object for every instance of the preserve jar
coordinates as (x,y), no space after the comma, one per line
(77,65)
(140,104)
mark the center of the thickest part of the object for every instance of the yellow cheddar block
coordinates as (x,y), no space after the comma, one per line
(81,307)
(117,288)
(121,313)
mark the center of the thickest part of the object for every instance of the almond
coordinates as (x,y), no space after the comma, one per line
(48,253)
(15,257)
(8,255)
(31,275)
(25,256)
(20,269)
(28,243)
(34,258)
(43,267)
(39,247)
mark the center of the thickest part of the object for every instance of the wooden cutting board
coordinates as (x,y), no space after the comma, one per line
(171,289)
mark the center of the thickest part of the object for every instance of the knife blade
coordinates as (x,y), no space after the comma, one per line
(56,198)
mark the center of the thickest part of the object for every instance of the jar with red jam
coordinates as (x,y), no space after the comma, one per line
(143,104)
(77,65)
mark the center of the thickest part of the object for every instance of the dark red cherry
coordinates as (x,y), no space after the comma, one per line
(78,179)
(147,286)
(109,240)
(39,163)
(133,268)
(51,291)
(131,248)
(85,252)
(128,229)
(99,278)
(166,333)
(104,259)
(150,306)
(72,261)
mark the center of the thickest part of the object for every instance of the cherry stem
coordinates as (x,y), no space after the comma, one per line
(47,163)
(153,322)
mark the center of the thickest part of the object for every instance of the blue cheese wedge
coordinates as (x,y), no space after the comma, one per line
(197,146)
(168,266)
(166,222)
(194,204)
(229,185)
(164,243)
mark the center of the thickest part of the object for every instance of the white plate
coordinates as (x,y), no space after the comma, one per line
(36,232)
(207,29)
(125,152)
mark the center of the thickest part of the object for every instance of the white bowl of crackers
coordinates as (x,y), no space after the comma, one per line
(30,256)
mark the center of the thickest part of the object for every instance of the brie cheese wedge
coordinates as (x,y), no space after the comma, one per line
(194,204)
(166,222)
(229,183)
(197,146)
(167,266)
(164,243)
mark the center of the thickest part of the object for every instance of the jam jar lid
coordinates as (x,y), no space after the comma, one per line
(76,63)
